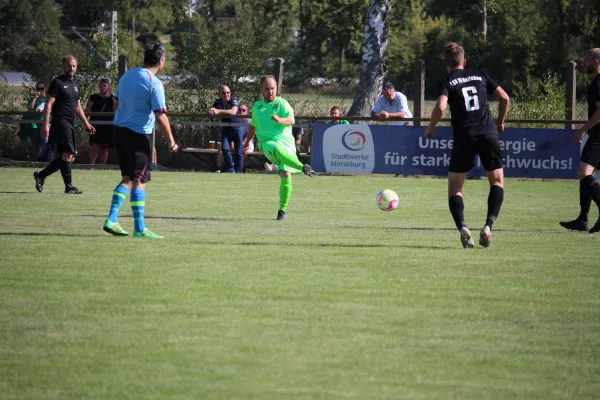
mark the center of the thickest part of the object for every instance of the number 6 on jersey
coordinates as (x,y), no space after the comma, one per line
(472,96)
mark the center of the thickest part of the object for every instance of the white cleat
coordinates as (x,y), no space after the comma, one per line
(466,239)
(485,236)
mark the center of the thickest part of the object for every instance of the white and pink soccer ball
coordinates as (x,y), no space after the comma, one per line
(387,200)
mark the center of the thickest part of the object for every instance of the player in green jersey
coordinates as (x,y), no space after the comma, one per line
(272,120)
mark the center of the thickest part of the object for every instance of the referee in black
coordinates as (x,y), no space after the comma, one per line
(64,104)
(589,187)
(475,133)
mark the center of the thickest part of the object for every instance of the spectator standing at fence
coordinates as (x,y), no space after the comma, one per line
(475,133)
(35,111)
(335,112)
(271,122)
(226,104)
(141,103)
(102,140)
(65,104)
(391,104)
(589,187)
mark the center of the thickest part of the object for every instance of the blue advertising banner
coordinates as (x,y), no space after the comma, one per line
(388,149)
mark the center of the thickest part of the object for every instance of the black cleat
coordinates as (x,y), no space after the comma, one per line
(72,190)
(39,182)
(575,225)
(307,170)
(280,215)
(596,227)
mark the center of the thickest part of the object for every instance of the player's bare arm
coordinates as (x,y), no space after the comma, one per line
(595,120)
(165,127)
(436,115)
(45,132)
(504,101)
(251,134)
(83,118)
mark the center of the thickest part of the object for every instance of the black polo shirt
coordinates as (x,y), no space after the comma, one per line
(66,94)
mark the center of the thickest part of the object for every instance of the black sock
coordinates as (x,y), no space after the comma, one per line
(457,209)
(593,189)
(65,171)
(51,168)
(585,200)
(495,199)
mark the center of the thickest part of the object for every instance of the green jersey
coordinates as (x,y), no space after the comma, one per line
(266,128)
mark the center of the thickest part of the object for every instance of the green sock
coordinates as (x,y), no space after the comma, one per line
(291,160)
(285,192)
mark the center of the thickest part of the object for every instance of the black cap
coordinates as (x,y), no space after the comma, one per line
(388,86)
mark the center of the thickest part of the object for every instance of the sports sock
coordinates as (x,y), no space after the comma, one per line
(457,209)
(65,171)
(51,168)
(495,199)
(285,192)
(585,200)
(118,198)
(593,189)
(291,160)
(138,201)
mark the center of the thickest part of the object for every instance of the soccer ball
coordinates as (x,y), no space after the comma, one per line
(387,200)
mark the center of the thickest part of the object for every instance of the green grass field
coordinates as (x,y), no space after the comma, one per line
(341,300)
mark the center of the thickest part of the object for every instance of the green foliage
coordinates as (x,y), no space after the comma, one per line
(542,98)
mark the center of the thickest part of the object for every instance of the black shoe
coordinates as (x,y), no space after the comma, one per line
(39,182)
(280,215)
(596,227)
(307,169)
(72,190)
(575,225)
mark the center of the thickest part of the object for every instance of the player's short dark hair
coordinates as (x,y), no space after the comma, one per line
(264,78)
(335,108)
(454,54)
(68,59)
(153,52)
(388,86)
(105,80)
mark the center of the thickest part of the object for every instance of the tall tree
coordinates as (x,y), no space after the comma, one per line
(373,67)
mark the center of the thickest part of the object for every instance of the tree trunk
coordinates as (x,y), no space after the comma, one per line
(373,68)
(341,61)
(484,20)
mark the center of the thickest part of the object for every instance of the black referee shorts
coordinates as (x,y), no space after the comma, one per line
(591,152)
(62,134)
(133,150)
(465,148)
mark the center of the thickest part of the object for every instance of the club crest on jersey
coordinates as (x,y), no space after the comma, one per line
(76,90)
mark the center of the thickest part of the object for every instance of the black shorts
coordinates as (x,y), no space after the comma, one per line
(133,150)
(103,136)
(591,152)
(465,149)
(62,134)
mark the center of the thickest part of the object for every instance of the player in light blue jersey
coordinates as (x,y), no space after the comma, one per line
(140,99)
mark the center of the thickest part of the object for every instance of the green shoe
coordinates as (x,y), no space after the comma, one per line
(147,233)
(114,229)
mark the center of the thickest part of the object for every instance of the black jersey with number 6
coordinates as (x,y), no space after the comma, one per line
(466,90)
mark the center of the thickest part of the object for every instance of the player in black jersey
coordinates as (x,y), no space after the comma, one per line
(589,187)
(64,104)
(475,133)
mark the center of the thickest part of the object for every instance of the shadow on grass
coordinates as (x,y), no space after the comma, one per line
(473,231)
(180,218)
(5,192)
(52,234)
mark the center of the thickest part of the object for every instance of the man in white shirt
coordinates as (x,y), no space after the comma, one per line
(391,104)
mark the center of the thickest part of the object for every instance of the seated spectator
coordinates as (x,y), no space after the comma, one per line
(391,104)
(243,110)
(337,113)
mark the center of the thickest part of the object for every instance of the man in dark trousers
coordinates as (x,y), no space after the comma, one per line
(64,103)
(226,104)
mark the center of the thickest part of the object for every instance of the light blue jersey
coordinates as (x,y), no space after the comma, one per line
(140,95)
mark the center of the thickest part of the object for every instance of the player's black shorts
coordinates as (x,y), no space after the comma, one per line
(103,136)
(591,152)
(133,150)
(465,149)
(62,134)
